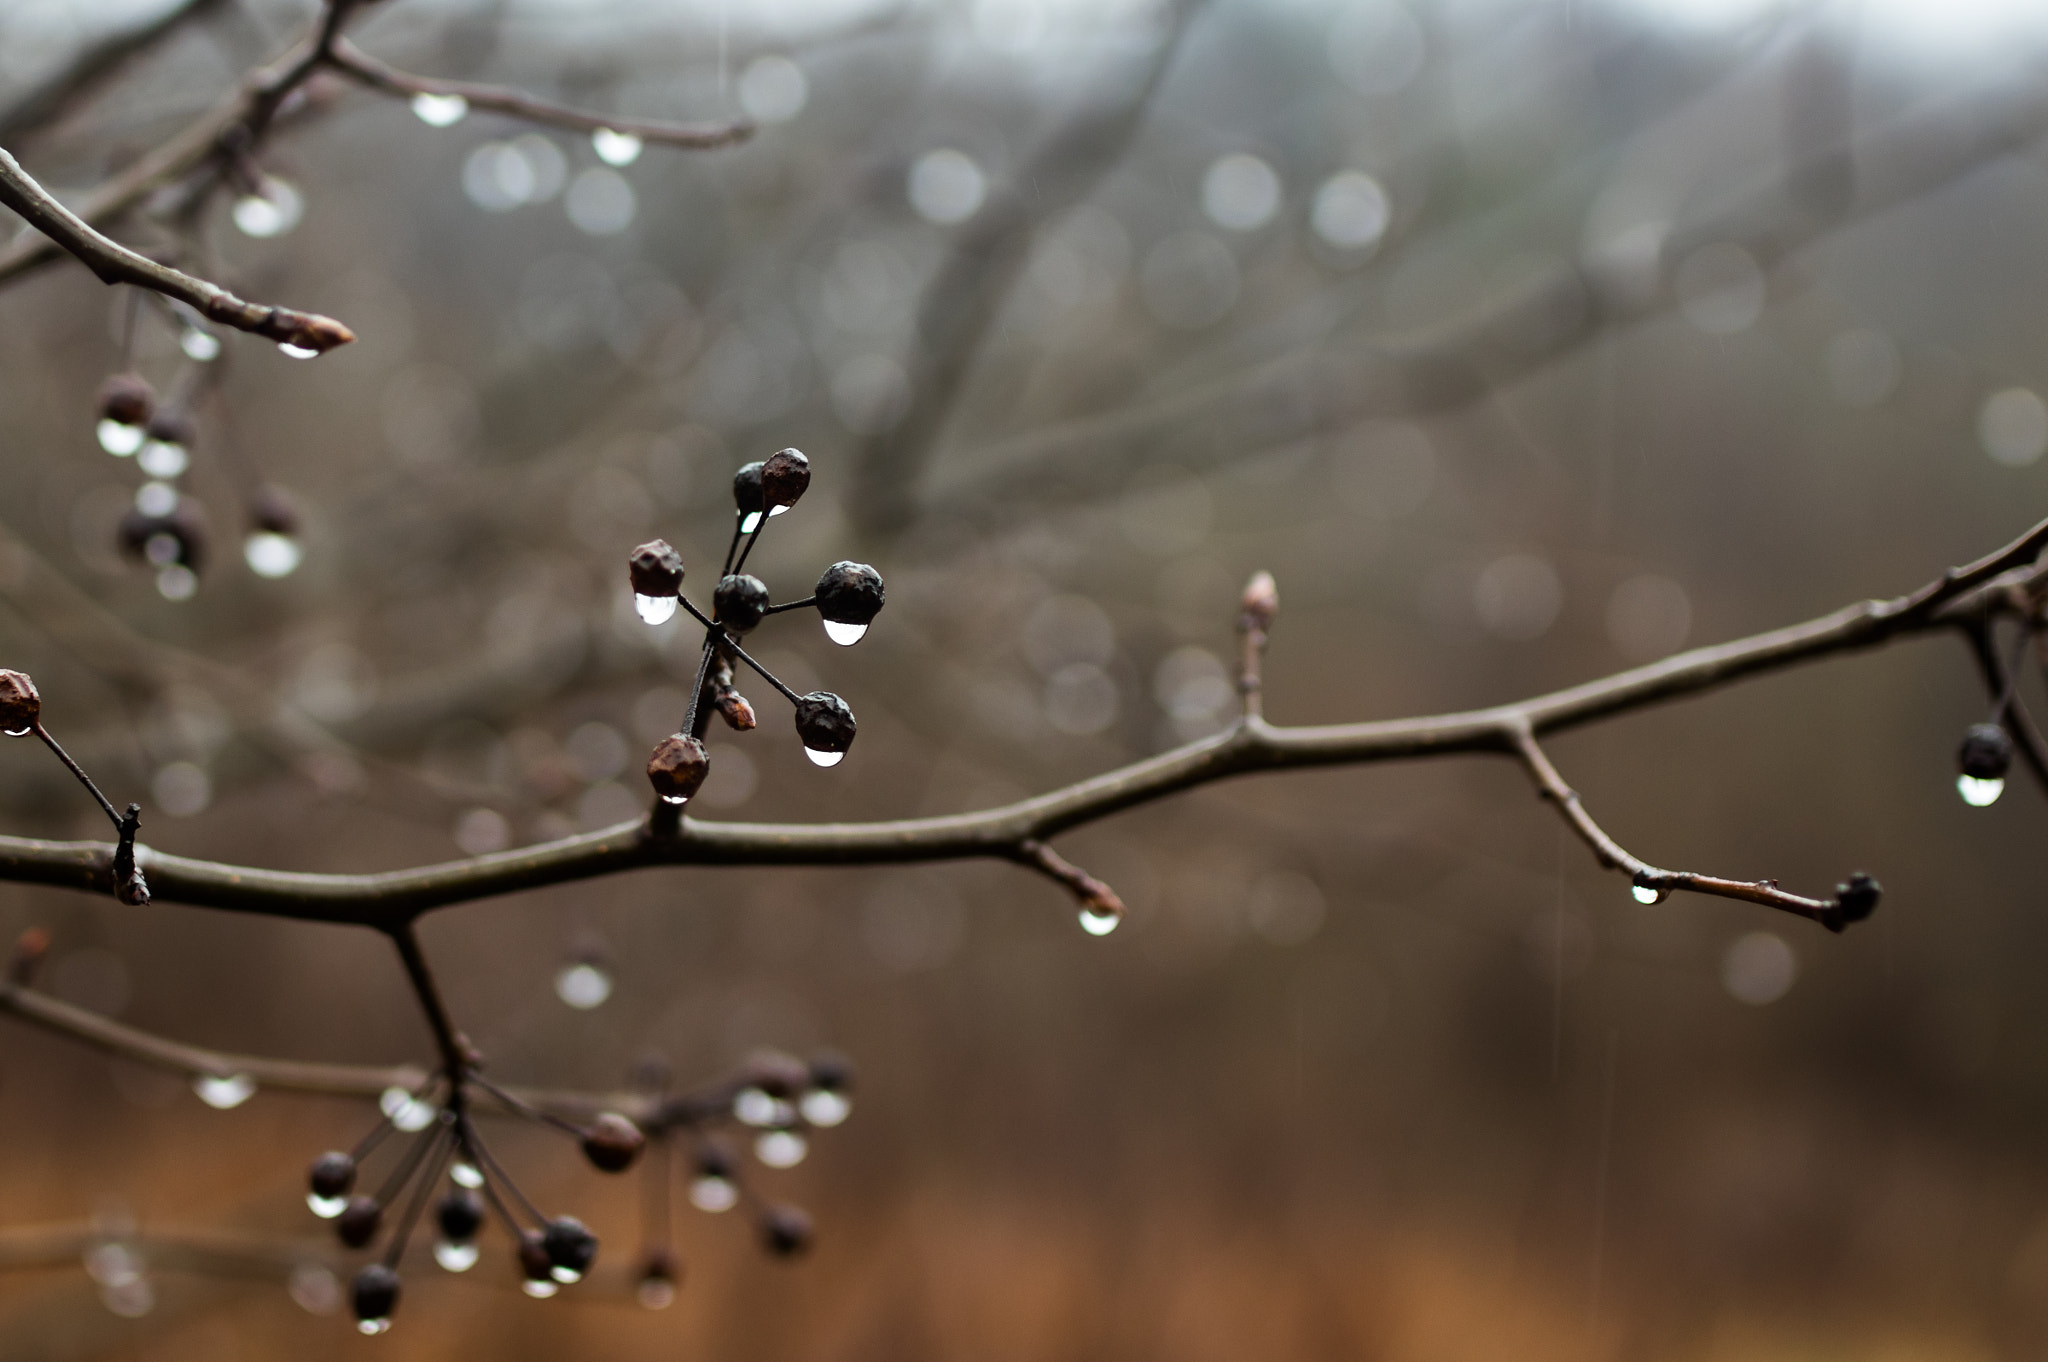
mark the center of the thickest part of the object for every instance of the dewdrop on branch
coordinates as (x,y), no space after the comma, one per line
(1645,892)
(439,111)
(1985,757)
(1101,912)
(125,404)
(656,572)
(272,548)
(849,596)
(826,726)
(615,148)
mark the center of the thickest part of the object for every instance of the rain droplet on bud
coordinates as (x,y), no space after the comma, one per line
(163,458)
(466,1175)
(713,1194)
(202,346)
(296,351)
(615,148)
(821,758)
(845,635)
(272,212)
(656,1293)
(273,555)
(223,1091)
(177,582)
(655,609)
(1097,923)
(1979,793)
(583,986)
(439,111)
(749,521)
(405,1111)
(119,438)
(538,1290)
(455,1257)
(326,1207)
(781,1148)
(823,1107)
(373,1327)
(677,800)
(1646,894)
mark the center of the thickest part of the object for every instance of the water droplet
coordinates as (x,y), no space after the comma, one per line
(177,582)
(296,351)
(455,1257)
(130,1299)
(326,1207)
(540,1291)
(373,1327)
(583,986)
(224,1091)
(749,521)
(314,1289)
(466,1175)
(774,511)
(677,800)
(567,1276)
(118,438)
(713,1195)
(202,346)
(615,148)
(439,111)
(781,1148)
(270,554)
(163,459)
(819,758)
(405,1111)
(756,1108)
(273,212)
(1646,894)
(1099,924)
(845,635)
(20,732)
(823,1107)
(657,1293)
(655,609)
(1979,793)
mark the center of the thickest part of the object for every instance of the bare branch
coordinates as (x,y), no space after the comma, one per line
(93,63)
(359,66)
(116,264)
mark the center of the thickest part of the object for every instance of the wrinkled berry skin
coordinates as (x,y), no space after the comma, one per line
(21,708)
(656,569)
(359,1220)
(1986,753)
(850,593)
(824,722)
(786,1231)
(374,1293)
(740,602)
(569,1245)
(784,476)
(678,766)
(460,1214)
(746,488)
(612,1143)
(332,1175)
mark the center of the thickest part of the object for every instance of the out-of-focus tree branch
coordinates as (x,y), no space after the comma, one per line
(92,64)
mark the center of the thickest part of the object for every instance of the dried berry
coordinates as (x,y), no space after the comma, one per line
(20,707)
(127,399)
(570,1247)
(374,1293)
(272,511)
(656,569)
(1856,898)
(460,1214)
(359,1220)
(734,709)
(786,1231)
(333,1175)
(1986,753)
(850,593)
(612,1143)
(825,724)
(784,476)
(677,767)
(746,488)
(740,602)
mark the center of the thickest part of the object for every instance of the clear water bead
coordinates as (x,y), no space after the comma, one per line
(177,583)
(1978,793)
(822,1107)
(455,1257)
(845,635)
(615,148)
(273,212)
(583,986)
(466,1175)
(819,758)
(21,732)
(567,1276)
(156,499)
(119,438)
(781,1148)
(540,1291)
(273,555)
(439,111)
(373,1327)
(714,1195)
(223,1091)
(749,522)
(1645,894)
(296,351)
(1099,924)
(754,1107)
(202,346)
(655,609)
(163,458)
(326,1207)
(405,1111)
(657,1293)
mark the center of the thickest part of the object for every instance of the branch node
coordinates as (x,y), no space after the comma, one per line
(129,885)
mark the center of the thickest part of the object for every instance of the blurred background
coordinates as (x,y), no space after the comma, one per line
(1523,340)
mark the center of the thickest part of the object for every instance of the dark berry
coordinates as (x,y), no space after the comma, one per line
(127,399)
(656,569)
(374,1293)
(612,1143)
(777,1074)
(177,536)
(333,1175)
(850,593)
(786,1231)
(20,706)
(171,427)
(1986,753)
(824,722)
(272,511)
(568,1245)
(740,602)
(831,1072)
(784,477)
(677,767)
(714,1160)
(1856,898)
(358,1222)
(746,488)
(533,1259)
(460,1214)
